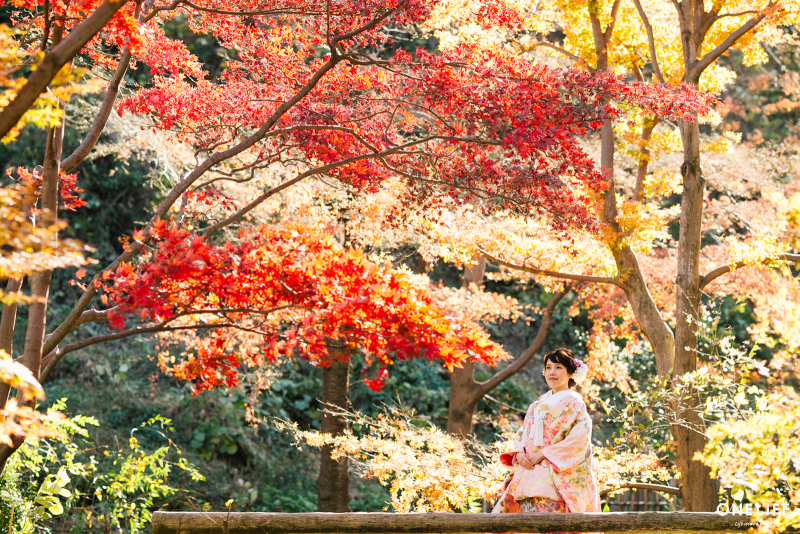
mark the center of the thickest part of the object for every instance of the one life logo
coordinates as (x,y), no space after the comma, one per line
(749,508)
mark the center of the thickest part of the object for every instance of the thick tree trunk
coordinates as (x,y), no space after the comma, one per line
(699,489)
(333,483)
(464,396)
(634,284)
(40,281)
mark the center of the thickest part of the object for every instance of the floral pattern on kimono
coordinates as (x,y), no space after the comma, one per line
(567,472)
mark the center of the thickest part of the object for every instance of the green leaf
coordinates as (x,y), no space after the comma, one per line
(605,508)
(738,495)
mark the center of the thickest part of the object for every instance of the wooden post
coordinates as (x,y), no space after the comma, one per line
(386,523)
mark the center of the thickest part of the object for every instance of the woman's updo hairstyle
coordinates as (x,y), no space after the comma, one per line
(565,357)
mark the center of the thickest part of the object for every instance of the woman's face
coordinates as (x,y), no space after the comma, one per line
(556,375)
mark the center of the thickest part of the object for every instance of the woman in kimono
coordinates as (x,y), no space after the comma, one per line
(552,455)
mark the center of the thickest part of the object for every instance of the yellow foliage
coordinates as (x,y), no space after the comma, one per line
(759,252)
(426,469)
(614,468)
(26,249)
(760,457)
(662,182)
(643,223)
(19,421)
(45,111)
(724,144)
(716,78)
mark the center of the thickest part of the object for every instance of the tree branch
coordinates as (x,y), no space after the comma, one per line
(719,271)
(723,47)
(613,20)
(89,316)
(563,51)
(525,357)
(361,29)
(651,43)
(554,274)
(330,166)
(100,120)
(213,159)
(52,62)
(54,356)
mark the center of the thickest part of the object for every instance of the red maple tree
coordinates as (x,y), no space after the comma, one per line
(282,291)
(309,88)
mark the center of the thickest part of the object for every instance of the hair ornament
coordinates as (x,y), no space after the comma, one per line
(581,371)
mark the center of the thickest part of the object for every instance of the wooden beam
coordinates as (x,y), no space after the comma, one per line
(386,523)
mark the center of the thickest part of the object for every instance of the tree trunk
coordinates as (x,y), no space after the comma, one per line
(465,392)
(333,483)
(464,396)
(699,489)
(474,274)
(40,281)
(644,158)
(648,316)
(8,321)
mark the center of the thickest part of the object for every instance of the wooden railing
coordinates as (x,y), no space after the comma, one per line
(385,523)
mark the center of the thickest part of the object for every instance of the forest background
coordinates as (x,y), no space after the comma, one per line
(130,420)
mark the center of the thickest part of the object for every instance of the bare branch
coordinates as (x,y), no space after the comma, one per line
(325,168)
(80,153)
(739,14)
(54,356)
(719,271)
(554,274)
(361,29)
(176,3)
(651,43)
(534,347)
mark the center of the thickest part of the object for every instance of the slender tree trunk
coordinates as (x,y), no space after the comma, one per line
(8,320)
(474,274)
(644,158)
(333,483)
(40,281)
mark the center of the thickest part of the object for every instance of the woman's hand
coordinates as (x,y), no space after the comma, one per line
(522,459)
(534,458)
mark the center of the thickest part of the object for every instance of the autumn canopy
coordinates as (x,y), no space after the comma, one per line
(337,186)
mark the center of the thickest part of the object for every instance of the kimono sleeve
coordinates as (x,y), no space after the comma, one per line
(507,458)
(571,450)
